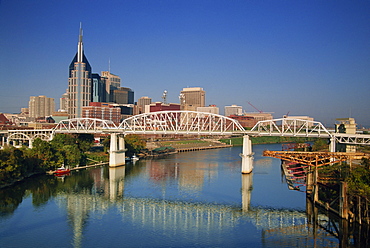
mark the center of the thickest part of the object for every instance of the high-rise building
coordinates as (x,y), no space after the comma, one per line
(79,82)
(192,97)
(63,103)
(41,106)
(123,95)
(112,82)
(142,102)
(98,88)
(233,110)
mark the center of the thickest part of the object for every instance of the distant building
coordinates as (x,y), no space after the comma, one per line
(245,121)
(123,95)
(63,103)
(103,111)
(349,126)
(263,116)
(112,82)
(79,82)
(248,120)
(25,111)
(233,110)
(4,121)
(210,109)
(59,116)
(142,102)
(41,106)
(98,93)
(192,98)
(159,106)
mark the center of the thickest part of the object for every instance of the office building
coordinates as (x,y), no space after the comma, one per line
(63,103)
(79,82)
(213,109)
(261,116)
(103,111)
(123,95)
(98,93)
(112,82)
(40,106)
(193,97)
(233,110)
(160,106)
(142,103)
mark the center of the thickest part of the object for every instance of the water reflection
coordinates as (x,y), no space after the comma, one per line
(247,182)
(118,200)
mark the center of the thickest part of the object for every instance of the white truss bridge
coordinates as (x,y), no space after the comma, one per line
(188,123)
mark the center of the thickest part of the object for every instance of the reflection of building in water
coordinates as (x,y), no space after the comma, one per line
(161,171)
(190,176)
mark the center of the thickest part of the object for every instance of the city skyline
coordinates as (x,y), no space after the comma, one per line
(305,58)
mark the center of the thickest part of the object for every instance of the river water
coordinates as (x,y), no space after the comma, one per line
(194,199)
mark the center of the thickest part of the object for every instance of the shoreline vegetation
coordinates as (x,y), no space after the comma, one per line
(73,151)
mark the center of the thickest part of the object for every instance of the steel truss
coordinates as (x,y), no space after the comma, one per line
(359,139)
(315,158)
(84,125)
(181,122)
(290,127)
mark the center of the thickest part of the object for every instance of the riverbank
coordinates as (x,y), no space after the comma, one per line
(51,172)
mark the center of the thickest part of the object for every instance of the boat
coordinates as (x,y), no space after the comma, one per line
(134,158)
(62,171)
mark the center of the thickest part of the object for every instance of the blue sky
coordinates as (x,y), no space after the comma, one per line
(302,57)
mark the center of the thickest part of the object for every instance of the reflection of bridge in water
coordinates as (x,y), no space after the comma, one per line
(188,218)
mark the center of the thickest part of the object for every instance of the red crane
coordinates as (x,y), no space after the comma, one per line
(255,107)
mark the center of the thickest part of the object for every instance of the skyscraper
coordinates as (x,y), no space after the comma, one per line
(98,88)
(112,82)
(193,97)
(41,106)
(79,82)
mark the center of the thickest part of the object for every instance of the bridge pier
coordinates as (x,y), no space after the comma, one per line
(117,150)
(332,144)
(247,155)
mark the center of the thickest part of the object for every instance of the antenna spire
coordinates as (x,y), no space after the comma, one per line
(80,45)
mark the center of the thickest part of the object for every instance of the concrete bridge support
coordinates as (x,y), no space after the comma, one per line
(247,155)
(332,144)
(117,150)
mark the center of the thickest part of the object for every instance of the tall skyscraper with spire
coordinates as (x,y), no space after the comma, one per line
(79,82)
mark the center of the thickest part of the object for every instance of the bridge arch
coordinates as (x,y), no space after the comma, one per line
(181,122)
(290,127)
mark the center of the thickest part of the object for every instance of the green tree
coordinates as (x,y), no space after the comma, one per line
(45,154)
(320,145)
(85,141)
(134,144)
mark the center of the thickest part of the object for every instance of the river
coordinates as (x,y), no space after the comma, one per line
(194,199)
